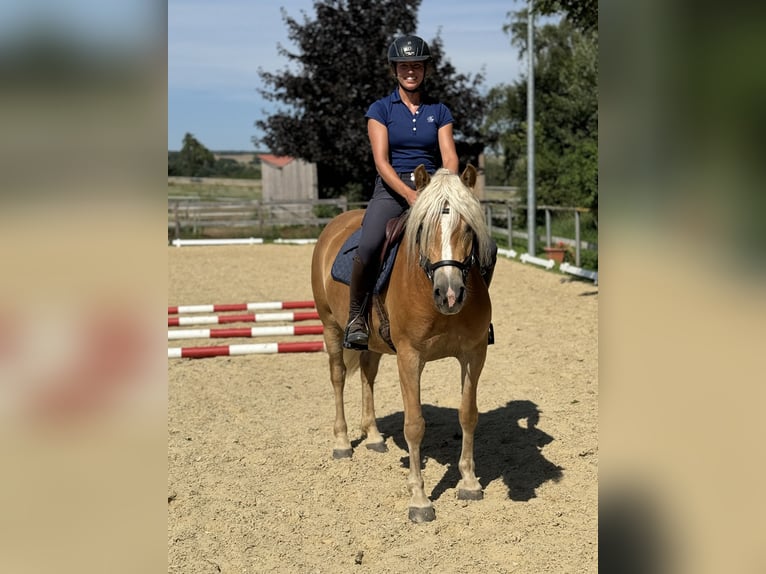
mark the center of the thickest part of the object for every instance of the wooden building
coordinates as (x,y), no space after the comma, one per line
(286,179)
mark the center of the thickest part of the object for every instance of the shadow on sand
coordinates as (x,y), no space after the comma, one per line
(504,447)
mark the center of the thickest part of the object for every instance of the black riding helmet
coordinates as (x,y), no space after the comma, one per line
(408,49)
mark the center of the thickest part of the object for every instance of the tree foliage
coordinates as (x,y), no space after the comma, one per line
(195,160)
(582,14)
(566,114)
(336,71)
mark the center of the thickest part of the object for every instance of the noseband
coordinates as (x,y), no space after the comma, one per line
(464,265)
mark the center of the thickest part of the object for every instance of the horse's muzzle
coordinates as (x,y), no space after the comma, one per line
(449,291)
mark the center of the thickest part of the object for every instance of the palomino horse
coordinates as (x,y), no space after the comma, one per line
(437,306)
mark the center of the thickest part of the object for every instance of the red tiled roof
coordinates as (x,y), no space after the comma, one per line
(276,160)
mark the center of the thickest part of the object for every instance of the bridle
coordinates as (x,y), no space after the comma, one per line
(464,265)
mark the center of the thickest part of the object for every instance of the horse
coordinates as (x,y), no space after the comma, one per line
(435,305)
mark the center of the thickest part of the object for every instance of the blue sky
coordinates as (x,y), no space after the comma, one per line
(128,23)
(215,48)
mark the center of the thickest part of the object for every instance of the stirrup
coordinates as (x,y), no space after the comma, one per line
(356,340)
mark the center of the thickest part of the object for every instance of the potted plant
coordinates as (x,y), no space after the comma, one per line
(557,252)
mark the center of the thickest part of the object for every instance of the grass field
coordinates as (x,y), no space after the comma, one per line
(216,189)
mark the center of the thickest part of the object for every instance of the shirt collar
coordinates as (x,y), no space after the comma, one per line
(397,98)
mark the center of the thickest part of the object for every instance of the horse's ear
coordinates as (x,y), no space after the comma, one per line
(421,177)
(469,176)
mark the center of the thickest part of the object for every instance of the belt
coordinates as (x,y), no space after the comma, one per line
(406,175)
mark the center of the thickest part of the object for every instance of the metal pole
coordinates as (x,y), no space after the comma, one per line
(531,203)
(577,238)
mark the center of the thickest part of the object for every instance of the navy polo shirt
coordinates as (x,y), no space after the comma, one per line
(412,138)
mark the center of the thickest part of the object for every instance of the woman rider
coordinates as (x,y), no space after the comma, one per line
(405,129)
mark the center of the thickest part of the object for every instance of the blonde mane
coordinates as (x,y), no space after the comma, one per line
(445,189)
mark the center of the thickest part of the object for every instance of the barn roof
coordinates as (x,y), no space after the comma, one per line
(279,161)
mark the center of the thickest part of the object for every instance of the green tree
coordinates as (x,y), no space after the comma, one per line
(194,159)
(566,114)
(339,69)
(582,14)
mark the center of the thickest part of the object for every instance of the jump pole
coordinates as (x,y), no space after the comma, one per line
(547,263)
(510,253)
(248,241)
(249,318)
(296,241)
(263,306)
(246,332)
(592,275)
(257,348)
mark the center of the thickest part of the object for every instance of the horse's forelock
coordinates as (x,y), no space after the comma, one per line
(445,189)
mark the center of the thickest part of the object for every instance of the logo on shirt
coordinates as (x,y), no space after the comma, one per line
(430,119)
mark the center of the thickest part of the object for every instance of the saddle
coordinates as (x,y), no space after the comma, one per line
(394,231)
(341,268)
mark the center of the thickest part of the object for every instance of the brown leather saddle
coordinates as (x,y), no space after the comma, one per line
(394,231)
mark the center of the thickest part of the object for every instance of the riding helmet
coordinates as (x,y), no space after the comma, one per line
(408,49)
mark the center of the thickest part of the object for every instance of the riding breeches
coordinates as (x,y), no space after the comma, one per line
(385,204)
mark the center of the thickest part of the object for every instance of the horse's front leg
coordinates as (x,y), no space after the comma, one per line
(333,343)
(369,363)
(410,368)
(470,367)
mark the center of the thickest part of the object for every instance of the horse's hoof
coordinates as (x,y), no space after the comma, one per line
(465,494)
(338,453)
(377,446)
(426,514)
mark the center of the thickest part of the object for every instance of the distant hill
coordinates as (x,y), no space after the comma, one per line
(238,156)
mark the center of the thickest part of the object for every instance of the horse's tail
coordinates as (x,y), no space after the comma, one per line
(351,360)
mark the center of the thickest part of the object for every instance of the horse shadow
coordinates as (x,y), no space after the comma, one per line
(503,448)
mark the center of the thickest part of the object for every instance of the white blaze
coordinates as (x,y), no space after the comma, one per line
(446,236)
(447,253)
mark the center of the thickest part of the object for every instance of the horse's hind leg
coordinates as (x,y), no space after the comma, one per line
(469,488)
(342,446)
(369,363)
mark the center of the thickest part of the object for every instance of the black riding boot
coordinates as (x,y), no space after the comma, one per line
(357,331)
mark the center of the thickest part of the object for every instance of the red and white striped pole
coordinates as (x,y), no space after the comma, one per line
(246,332)
(249,318)
(221,308)
(257,348)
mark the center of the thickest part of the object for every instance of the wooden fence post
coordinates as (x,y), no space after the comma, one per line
(547,228)
(177,220)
